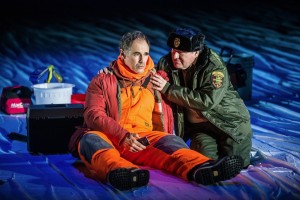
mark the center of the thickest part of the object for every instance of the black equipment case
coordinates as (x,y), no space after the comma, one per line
(49,127)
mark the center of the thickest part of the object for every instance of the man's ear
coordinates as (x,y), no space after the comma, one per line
(197,53)
(122,53)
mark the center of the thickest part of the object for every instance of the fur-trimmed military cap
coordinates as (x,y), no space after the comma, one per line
(186,39)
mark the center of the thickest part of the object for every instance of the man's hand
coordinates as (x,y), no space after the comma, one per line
(131,143)
(105,71)
(158,82)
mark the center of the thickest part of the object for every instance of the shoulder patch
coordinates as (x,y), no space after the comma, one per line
(217,78)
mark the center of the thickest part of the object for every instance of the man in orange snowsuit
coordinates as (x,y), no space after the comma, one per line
(121,107)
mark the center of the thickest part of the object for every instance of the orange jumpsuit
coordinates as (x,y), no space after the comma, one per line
(166,151)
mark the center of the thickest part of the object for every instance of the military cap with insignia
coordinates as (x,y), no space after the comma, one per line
(186,39)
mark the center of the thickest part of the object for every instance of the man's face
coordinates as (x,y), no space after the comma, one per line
(182,59)
(136,58)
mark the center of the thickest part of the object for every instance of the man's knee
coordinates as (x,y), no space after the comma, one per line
(90,144)
(205,145)
(170,143)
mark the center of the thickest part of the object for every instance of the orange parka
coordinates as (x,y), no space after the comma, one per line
(102,87)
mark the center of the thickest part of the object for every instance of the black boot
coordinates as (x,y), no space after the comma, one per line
(219,170)
(126,179)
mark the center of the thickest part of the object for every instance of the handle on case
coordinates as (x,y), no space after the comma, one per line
(229,54)
(227,50)
(56,105)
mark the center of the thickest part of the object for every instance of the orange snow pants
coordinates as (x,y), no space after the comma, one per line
(166,152)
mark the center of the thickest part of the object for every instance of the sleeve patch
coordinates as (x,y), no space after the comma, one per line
(217,79)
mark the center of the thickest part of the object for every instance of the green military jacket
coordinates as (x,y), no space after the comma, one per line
(210,92)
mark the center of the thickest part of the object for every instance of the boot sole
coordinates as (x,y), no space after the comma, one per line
(126,179)
(226,168)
